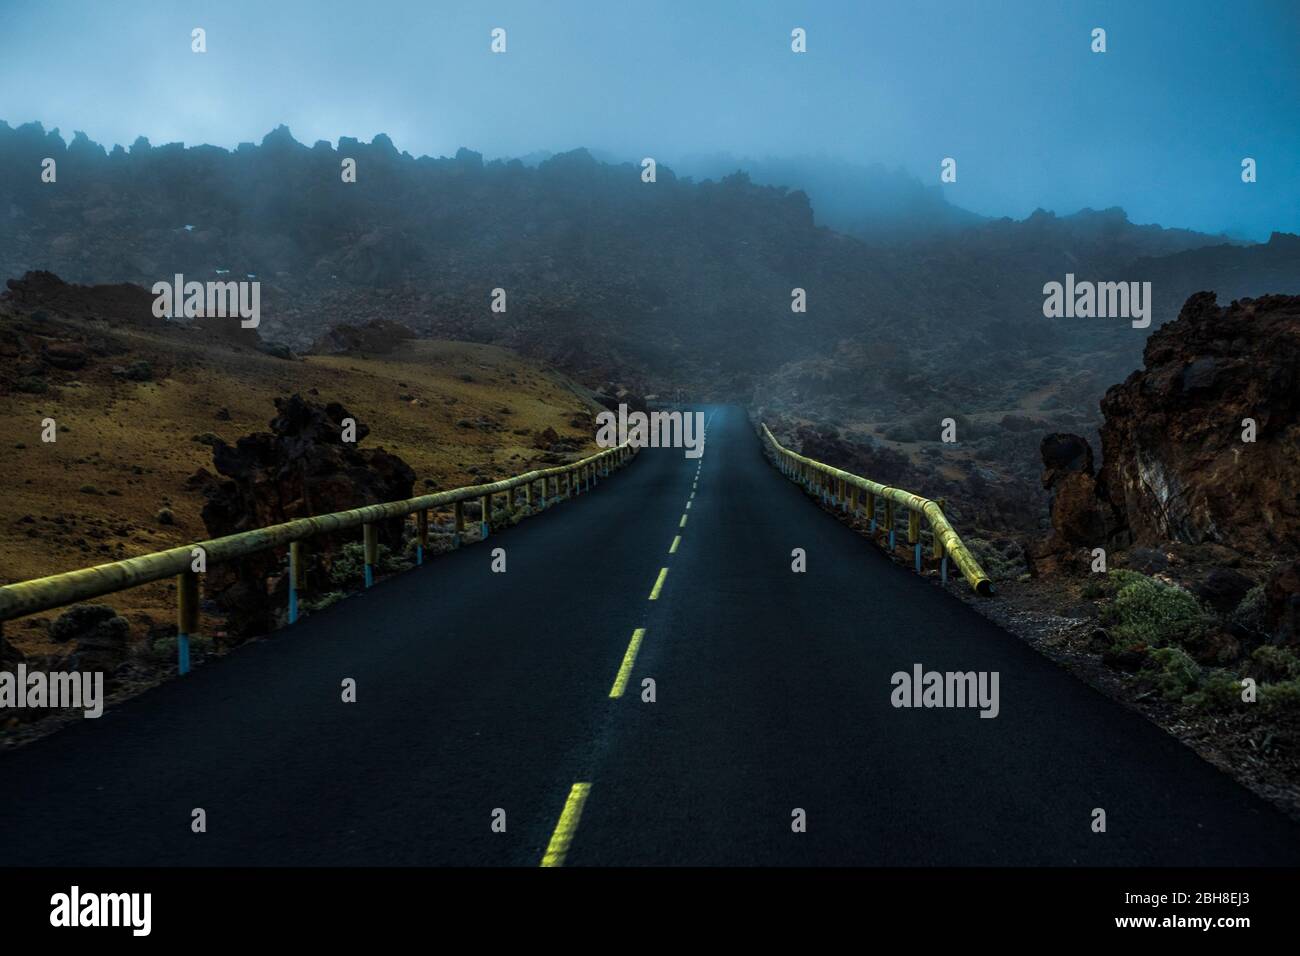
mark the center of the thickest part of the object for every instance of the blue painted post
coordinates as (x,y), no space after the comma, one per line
(370,538)
(295,572)
(460,524)
(943,570)
(918,557)
(422,534)
(486,516)
(187,617)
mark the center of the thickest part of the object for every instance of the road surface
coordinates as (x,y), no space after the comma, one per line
(480,691)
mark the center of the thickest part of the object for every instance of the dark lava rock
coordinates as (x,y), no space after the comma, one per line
(1223,589)
(302,467)
(100,634)
(1175,465)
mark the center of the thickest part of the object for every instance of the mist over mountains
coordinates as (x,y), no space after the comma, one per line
(683,281)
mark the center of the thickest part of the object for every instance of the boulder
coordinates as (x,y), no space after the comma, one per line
(1223,589)
(300,468)
(100,635)
(1079,518)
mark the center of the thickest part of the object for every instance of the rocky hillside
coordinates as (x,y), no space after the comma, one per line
(675,283)
(152,418)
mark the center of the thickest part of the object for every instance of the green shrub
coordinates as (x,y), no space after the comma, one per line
(1275,663)
(1219,690)
(1097,586)
(1152,612)
(1282,700)
(321,601)
(1000,563)
(1174,672)
(348,568)
(163,650)
(1250,612)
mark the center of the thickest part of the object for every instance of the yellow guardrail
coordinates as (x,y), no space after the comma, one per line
(59,590)
(842,487)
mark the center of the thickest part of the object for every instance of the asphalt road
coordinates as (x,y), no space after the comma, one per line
(480,690)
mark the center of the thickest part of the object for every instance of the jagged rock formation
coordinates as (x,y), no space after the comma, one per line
(1176,467)
(298,469)
(1077,516)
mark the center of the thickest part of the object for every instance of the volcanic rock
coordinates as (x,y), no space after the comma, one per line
(1078,519)
(299,469)
(100,636)
(1176,466)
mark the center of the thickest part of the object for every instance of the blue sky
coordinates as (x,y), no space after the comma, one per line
(1158,124)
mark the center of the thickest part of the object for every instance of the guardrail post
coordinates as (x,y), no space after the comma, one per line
(889,520)
(871,510)
(460,524)
(422,534)
(853,500)
(485,505)
(914,534)
(187,617)
(295,578)
(528,497)
(370,539)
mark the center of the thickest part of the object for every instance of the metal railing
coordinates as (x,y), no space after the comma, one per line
(844,489)
(58,590)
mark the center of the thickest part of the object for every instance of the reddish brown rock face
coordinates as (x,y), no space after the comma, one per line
(1079,516)
(1174,461)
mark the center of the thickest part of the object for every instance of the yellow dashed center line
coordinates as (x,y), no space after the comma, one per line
(567,826)
(688,505)
(672,548)
(659,583)
(629,658)
(683,524)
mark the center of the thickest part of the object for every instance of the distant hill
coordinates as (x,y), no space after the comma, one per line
(867,201)
(677,282)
